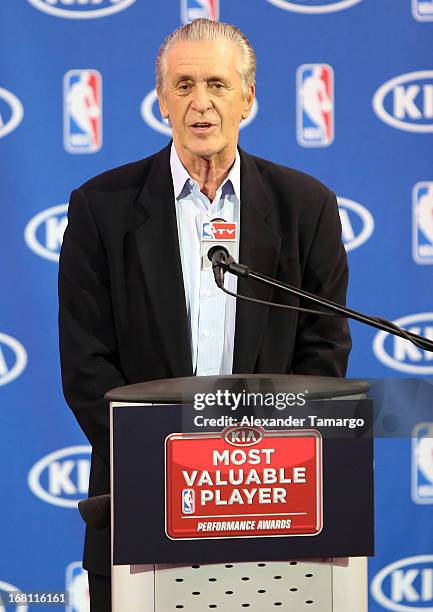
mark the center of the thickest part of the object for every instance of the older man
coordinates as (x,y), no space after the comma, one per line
(134,304)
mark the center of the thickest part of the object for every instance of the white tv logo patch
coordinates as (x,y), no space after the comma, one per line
(150,113)
(81,9)
(405,584)
(62,477)
(406,102)
(11,112)
(44,232)
(357,223)
(327,6)
(400,354)
(13,359)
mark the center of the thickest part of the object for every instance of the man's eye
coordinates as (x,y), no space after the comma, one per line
(216,85)
(184,86)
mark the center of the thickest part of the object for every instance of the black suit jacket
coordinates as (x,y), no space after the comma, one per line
(122,312)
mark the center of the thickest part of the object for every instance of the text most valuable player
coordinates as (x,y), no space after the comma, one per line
(134,304)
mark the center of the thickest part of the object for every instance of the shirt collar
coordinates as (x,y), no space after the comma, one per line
(180,175)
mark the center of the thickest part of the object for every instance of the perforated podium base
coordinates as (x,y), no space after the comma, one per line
(253,586)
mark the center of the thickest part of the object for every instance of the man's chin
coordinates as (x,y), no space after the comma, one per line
(204,150)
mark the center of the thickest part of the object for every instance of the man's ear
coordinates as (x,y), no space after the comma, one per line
(162,103)
(248,102)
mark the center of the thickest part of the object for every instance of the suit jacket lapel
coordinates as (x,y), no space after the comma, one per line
(260,244)
(158,248)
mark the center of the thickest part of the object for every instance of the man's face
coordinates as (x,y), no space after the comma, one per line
(203,97)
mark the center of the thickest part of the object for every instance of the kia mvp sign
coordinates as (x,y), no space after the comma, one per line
(243,482)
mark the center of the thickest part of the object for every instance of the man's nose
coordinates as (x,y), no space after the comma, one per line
(201,101)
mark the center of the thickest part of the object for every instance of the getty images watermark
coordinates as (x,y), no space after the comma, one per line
(231,400)
(272,401)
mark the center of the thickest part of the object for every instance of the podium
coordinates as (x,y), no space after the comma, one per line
(160,565)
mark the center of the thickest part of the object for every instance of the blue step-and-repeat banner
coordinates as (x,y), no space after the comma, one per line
(345,93)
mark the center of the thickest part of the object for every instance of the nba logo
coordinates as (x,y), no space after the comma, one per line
(315,105)
(422,223)
(422,463)
(188,501)
(77,587)
(195,9)
(82,111)
(422,10)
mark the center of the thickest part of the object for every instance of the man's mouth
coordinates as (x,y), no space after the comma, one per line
(202,125)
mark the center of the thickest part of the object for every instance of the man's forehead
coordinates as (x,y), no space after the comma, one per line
(202,54)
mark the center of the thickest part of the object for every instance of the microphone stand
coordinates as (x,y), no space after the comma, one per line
(228,264)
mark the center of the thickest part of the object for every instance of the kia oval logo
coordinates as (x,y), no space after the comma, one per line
(302,6)
(400,354)
(151,115)
(62,477)
(81,9)
(13,359)
(44,232)
(5,589)
(405,584)
(357,223)
(406,102)
(243,436)
(11,112)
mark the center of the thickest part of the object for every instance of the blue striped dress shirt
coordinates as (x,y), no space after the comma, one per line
(211,313)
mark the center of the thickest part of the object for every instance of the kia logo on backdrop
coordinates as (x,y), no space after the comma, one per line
(13,359)
(357,223)
(44,232)
(5,589)
(151,115)
(406,102)
(314,6)
(422,222)
(405,584)
(400,354)
(196,9)
(422,10)
(81,9)
(62,477)
(11,112)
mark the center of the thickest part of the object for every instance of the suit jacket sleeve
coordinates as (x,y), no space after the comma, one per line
(88,343)
(323,343)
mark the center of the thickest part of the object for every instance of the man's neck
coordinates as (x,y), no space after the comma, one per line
(209,173)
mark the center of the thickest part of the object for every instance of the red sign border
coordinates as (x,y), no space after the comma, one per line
(269,434)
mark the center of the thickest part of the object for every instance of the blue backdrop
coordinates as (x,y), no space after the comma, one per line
(345,93)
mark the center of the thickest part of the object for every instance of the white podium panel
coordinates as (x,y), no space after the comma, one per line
(295,586)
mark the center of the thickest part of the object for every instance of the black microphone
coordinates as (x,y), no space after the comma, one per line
(220,258)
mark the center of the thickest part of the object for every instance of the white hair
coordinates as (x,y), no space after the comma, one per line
(205,30)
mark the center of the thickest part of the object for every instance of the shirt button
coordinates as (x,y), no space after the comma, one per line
(206,334)
(208,293)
